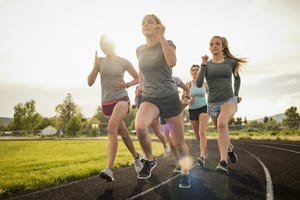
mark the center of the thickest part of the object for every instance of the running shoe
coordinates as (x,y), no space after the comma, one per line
(177,169)
(107,174)
(145,173)
(222,167)
(201,161)
(138,165)
(232,157)
(185,181)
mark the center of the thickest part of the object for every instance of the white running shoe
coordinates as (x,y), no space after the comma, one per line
(138,165)
(107,174)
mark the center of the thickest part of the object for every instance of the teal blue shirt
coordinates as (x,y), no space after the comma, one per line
(199,94)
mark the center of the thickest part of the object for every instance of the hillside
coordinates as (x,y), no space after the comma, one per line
(277,117)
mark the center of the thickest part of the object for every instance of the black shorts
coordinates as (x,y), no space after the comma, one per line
(169,106)
(194,113)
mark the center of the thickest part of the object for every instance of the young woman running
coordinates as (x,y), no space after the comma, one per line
(198,112)
(115,101)
(222,99)
(160,97)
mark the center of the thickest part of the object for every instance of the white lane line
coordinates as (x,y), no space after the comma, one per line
(156,186)
(61,185)
(267,146)
(272,143)
(269,187)
(53,188)
(271,147)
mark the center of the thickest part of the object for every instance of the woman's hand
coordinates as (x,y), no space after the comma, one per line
(192,100)
(204,59)
(120,85)
(239,99)
(160,30)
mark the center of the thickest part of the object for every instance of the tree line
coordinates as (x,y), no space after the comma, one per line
(27,121)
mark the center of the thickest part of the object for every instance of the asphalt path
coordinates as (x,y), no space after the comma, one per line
(265,170)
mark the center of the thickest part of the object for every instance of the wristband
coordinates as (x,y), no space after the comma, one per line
(188,97)
(127,85)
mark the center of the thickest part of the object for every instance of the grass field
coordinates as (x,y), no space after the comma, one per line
(32,164)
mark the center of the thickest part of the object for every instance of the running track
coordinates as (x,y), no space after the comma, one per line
(266,170)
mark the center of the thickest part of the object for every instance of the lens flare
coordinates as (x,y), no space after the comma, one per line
(186,164)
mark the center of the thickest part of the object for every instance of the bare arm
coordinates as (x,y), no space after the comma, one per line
(169,51)
(186,89)
(94,73)
(134,74)
(186,92)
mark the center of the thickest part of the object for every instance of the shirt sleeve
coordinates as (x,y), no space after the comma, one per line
(177,80)
(237,84)
(237,81)
(200,78)
(126,63)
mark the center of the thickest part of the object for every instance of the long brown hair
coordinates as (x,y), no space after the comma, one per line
(228,54)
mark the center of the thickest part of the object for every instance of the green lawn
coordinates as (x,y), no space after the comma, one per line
(31,164)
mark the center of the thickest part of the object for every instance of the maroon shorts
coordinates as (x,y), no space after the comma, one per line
(108,107)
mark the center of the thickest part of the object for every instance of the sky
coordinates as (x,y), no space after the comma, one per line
(47,47)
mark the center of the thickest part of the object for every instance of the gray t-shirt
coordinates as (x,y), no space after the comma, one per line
(156,74)
(112,71)
(219,80)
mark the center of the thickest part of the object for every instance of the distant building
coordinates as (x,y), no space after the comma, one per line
(49,130)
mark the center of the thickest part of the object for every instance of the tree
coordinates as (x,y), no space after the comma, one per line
(231,121)
(245,120)
(293,118)
(66,110)
(46,122)
(266,119)
(74,125)
(130,117)
(100,116)
(26,117)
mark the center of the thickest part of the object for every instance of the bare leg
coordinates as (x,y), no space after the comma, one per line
(156,129)
(195,126)
(166,132)
(227,111)
(123,132)
(203,122)
(119,113)
(143,119)
(177,135)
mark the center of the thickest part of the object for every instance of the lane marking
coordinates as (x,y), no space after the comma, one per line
(269,185)
(52,188)
(156,186)
(273,143)
(61,185)
(271,147)
(267,146)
